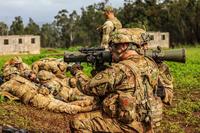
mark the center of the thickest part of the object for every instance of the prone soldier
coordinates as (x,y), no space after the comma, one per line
(14,66)
(60,90)
(19,88)
(23,84)
(53,65)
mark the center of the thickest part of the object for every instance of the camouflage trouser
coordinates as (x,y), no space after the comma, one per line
(72,94)
(27,92)
(55,105)
(96,122)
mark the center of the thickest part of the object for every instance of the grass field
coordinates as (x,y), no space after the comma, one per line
(184,114)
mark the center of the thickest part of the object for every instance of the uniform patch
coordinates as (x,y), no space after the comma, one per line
(99,76)
(125,102)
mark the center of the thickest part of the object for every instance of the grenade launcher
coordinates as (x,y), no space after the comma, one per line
(98,56)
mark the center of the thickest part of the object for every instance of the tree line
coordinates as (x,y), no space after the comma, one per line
(178,17)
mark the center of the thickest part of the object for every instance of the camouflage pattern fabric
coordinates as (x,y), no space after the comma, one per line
(165,84)
(69,81)
(97,122)
(108,27)
(50,64)
(21,88)
(128,35)
(14,67)
(128,87)
(59,89)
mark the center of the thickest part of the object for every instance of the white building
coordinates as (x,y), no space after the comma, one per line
(19,44)
(159,39)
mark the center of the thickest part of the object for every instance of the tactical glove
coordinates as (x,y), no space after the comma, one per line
(74,68)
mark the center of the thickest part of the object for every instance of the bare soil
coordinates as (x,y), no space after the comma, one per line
(33,120)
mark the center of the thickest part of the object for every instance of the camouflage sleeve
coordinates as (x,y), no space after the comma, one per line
(107,29)
(103,83)
(165,83)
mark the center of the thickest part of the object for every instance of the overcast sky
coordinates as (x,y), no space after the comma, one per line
(43,11)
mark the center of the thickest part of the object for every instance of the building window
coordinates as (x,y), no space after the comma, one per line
(20,41)
(151,37)
(6,42)
(32,40)
(163,37)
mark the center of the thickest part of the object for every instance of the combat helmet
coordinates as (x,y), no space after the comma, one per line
(45,75)
(136,36)
(16,60)
(108,9)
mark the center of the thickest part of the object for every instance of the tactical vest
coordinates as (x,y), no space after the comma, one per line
(135,101)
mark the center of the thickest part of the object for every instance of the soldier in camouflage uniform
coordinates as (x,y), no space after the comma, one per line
(53,65)
(19,88)
(125,88)
(111,24)
(23,85)
(15,66)
(62,91)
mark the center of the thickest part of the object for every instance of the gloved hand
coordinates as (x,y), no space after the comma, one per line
(74,68)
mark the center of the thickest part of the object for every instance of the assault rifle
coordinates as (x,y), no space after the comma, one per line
(98,56)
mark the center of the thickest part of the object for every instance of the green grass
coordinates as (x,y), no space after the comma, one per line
(187,75)
(184,116)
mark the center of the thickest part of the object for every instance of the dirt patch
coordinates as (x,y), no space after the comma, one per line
(184,114)
(32,119)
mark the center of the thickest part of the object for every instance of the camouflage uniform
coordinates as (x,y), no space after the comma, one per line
(60,90)
(13,67)
(165,84)
(126,89)
(21,88)
(109,26)
(50,64)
